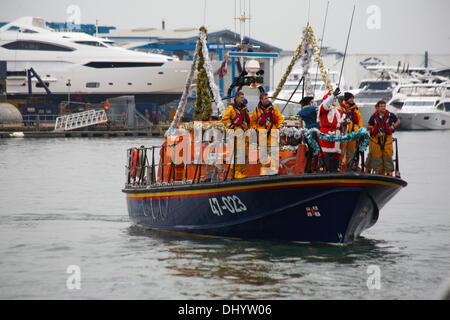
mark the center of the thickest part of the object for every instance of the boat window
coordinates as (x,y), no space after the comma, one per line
(13,28)
(289,87)
(379,85)
(419,103)
(92,84)
(35,45)
(39,85)
(111,43)
(447,106)
(91,43)
(397,104)
(16,73)
(112,64)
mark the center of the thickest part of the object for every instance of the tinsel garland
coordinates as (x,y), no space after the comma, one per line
(292,132)
(186,92)
(288,69)
(306,64)
(209,72)
(188,86)
(308,36)
(204,125)
(361,135)
(316,51)
(203,109)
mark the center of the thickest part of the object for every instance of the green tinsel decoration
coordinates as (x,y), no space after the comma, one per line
(203,108)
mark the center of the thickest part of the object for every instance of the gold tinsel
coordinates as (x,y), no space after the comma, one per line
(203,108)
(316,51)
(310,34)
(204,125)
(289,69)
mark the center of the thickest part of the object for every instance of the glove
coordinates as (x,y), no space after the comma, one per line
(336,92)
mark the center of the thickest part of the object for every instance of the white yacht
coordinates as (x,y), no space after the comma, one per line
(88,68)
(422,106)
(370,91)
(317,84)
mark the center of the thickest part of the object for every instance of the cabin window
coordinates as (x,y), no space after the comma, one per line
(35,46)
(92,84)
(112,64)
(91,43)
(16,73)
(39,85)
(397,104)
(379,85)
(447,106)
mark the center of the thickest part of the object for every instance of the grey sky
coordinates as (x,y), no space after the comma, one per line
(404,26)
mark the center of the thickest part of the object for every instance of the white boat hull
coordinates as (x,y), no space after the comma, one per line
(424,120)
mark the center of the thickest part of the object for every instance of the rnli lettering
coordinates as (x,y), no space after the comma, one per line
(224,204)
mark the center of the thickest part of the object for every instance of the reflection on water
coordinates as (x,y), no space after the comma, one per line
(268,265)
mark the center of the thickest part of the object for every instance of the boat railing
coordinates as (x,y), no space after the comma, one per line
(143,170)
(146,166)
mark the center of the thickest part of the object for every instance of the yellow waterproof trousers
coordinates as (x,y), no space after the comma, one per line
(382,152)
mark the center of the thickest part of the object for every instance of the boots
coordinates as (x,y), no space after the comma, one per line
(332,164)
(239,172)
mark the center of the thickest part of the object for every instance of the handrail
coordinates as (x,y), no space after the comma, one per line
(149,174)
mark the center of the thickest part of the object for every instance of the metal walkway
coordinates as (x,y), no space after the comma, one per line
(80,120)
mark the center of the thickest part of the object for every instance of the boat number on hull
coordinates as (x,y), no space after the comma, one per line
(226,204)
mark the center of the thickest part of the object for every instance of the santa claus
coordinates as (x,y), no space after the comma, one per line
(331,117)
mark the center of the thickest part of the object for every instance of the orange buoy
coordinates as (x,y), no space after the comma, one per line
(106,106)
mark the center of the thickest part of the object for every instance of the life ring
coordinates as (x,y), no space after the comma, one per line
(134,163)
(106,106)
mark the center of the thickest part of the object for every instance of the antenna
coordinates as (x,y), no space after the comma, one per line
(204,13)
(309,7)
(346,45)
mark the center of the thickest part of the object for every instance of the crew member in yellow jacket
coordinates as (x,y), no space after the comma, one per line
(235,117)
(267,117)
(353,121)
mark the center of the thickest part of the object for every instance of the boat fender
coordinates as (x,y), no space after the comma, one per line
(134,163)
(300,159)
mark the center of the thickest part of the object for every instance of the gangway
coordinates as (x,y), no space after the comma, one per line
(80,120)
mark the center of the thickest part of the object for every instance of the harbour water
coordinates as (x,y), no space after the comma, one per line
(61,205)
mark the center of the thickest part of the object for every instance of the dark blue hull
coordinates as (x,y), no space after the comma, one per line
(323,207)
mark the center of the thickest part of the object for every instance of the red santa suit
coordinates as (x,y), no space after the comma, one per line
(330,118)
